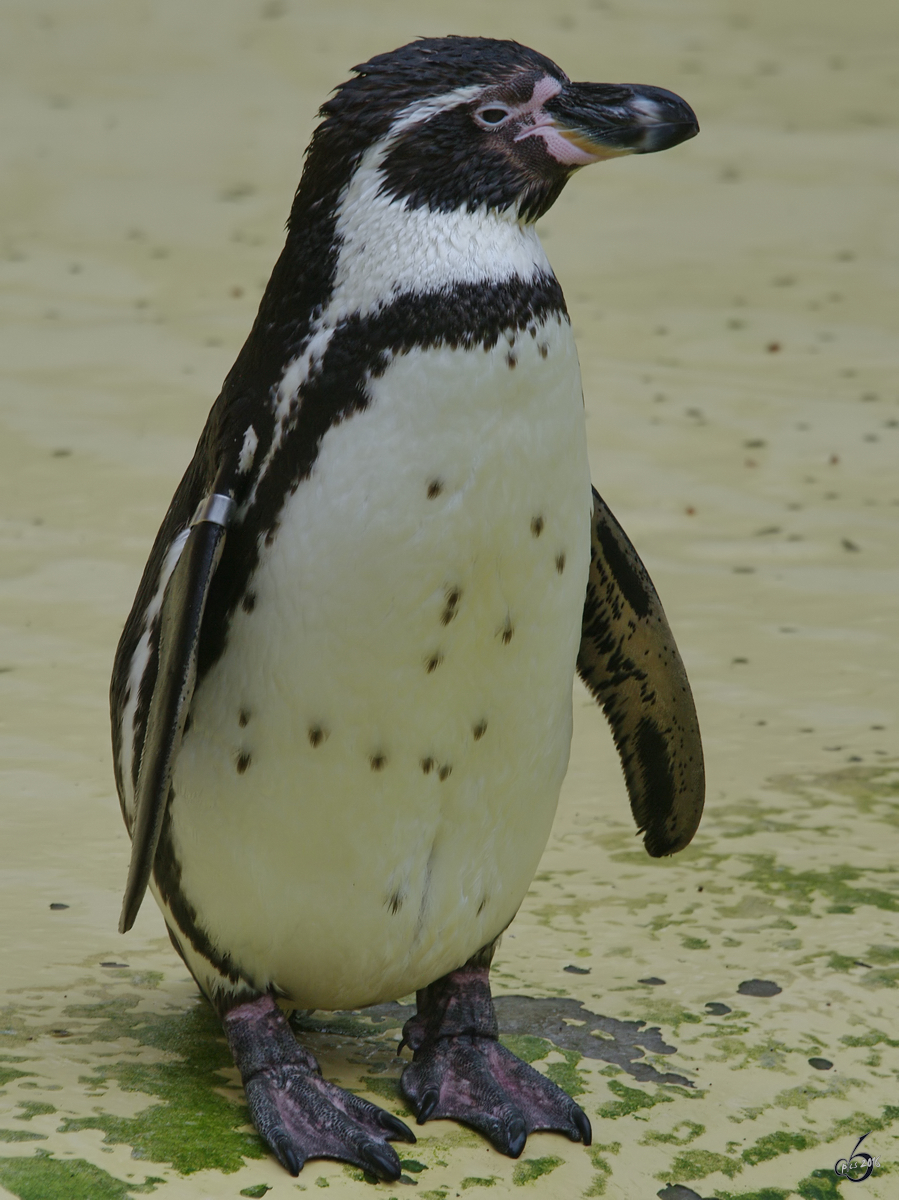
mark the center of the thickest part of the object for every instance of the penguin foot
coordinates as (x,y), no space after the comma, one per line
(460,1072)
(477,1081)
(298,1113)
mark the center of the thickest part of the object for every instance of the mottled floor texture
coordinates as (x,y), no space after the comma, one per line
(727,1018)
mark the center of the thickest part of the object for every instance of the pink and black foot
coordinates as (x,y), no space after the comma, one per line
(297,1112)
(460,1072)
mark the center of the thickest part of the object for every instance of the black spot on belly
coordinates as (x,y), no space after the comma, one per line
(537,526)
(445,771)
(482,905)
(317,735)
(544,349)
(512,361)
(479,730)
(378,762)
(435,487)
(507,631)
(243,718)
(432,663)
(243,761)
(249,602)
(453,596)
(560,563)
(395,902)
(272,534)
(428,765)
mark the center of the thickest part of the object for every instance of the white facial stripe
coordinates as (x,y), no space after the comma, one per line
(423,110)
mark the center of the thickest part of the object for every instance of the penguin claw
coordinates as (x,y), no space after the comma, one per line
(582,1122)
(395,1127)
(286,1155)
(477,1081)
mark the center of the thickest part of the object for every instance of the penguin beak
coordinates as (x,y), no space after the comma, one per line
(589,122)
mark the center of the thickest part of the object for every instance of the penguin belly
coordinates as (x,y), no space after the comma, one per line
(373,764)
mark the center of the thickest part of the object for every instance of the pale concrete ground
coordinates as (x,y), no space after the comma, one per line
(736,305)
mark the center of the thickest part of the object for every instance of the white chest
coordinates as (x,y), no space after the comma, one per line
(374,763)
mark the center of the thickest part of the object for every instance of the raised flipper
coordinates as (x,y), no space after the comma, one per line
(180,619)
(630,662)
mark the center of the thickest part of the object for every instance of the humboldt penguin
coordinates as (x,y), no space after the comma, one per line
(342,702)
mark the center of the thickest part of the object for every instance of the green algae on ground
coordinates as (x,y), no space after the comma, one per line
(526,1046)
(33,1108)
(530,1169)
(566,1076)
(774,1144)
(603,1170)
(696,1164)
(633,1099)
(693,1129)
(45,1178)
(195,1128)
(8,1074)
(471,1181)
(762,1194)
(256,1191)
(833,884)
(21,1135)
(820,1185)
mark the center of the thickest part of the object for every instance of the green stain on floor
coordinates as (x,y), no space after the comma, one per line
(194,1127)
(774,1144)
(834,884)
(527,1047)
(46,1178)
(692,1131)
(696,1164)
(28,1109)
(566,1076)
(8,1074)
(631,1100)
(531,1169)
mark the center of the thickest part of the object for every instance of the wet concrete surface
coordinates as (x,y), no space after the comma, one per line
(728,1017)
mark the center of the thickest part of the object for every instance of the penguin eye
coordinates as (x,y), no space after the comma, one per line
(492,116)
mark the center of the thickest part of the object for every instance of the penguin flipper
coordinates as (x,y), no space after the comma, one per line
(180,620)
(630,662)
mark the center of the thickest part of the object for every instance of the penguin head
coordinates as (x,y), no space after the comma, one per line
(477,123)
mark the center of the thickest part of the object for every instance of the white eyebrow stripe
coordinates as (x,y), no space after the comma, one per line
(415,114)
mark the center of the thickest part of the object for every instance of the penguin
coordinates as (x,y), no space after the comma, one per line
(342,702)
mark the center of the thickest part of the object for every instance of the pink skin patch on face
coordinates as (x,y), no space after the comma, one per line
(567,146)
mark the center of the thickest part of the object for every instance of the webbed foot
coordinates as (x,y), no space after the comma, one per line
(460,1071)
(297,1112)
(477,1081)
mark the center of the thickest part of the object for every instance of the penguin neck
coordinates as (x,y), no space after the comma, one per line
(386,247)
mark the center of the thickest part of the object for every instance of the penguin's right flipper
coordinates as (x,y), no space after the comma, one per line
(630,662)
(180,620)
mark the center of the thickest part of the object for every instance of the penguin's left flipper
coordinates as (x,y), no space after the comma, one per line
(630,662)
(180,620)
